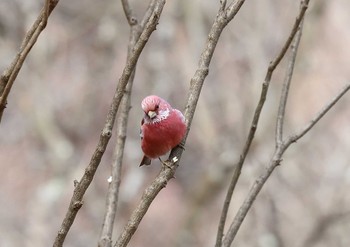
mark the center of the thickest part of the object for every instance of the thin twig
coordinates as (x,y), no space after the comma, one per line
(81,187)
(286,85)
(10,74)
(128,13)
(113,190)
(303,7)
(303,131)
(254,124)
(197,81)
(148,13)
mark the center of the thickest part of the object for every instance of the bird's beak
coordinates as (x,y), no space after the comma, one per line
(152,114)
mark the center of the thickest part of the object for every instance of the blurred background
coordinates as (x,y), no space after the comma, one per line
(59,101)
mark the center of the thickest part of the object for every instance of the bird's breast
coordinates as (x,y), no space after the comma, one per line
(160,137)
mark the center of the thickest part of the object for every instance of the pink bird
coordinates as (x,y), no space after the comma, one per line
(162,128)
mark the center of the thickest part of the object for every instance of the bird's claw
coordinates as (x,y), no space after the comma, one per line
(164,163)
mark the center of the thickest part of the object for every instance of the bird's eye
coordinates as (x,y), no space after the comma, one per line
(157,107)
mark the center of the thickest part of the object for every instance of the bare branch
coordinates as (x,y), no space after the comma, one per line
(223,5)
(10,74)
(81,187)
(303,131)
(233,8)
(148,13)
(148,196)
(197,80)
(303,7)
(250,198)
(254,124)
(46,11)
(113,190)
(286,85)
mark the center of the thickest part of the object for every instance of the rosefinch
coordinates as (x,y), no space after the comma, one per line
(162,128)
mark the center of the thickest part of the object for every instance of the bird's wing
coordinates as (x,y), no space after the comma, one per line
(181,115)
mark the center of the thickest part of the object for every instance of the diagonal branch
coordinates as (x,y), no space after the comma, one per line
(148,13)
(296,136)
(222,19)
(10,74)
(274,162)
(83,184)
(255,121)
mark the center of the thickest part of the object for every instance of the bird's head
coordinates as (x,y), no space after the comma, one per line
(155,108)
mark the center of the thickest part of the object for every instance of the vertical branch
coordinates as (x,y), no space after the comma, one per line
(286,85)
(255,121)
(10,74)
(84,183)
(113,189)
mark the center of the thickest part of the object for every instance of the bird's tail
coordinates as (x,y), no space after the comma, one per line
(145,161)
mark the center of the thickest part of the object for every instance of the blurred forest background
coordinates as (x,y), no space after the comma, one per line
(59,101)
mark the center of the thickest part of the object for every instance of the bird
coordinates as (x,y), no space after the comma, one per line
(162,128)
